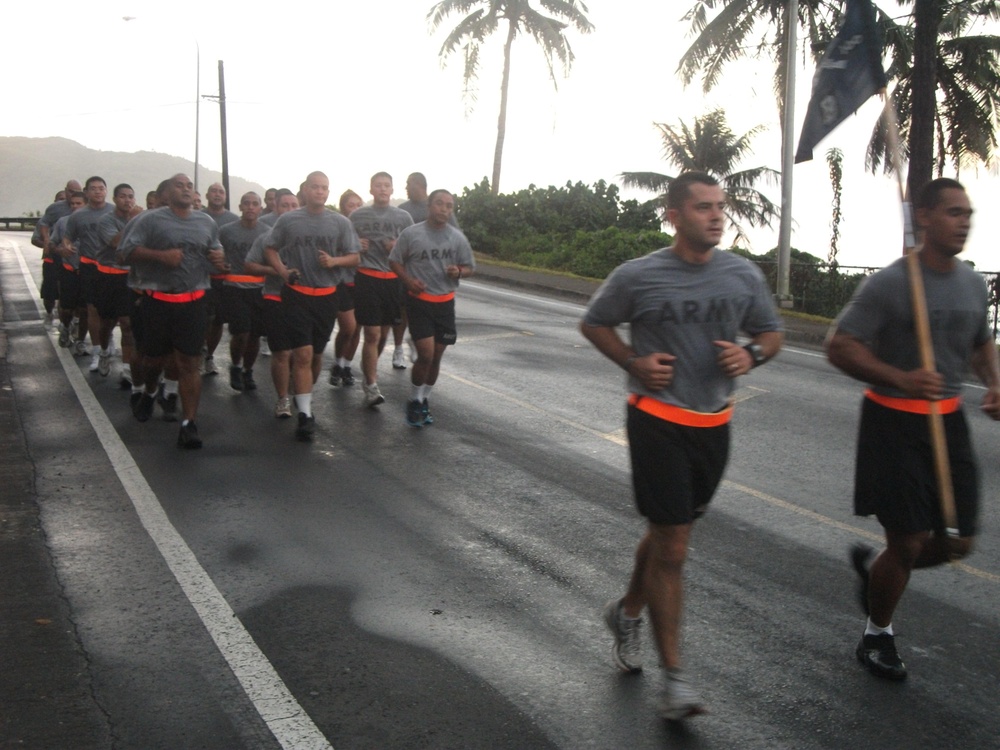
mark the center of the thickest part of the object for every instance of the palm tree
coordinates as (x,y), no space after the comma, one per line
(948,83)
(710,146)
(484,18)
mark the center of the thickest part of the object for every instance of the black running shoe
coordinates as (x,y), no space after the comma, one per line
(860,555)
(143,407)
(249,384)
(236,377)
(428,417)
(188,438)
(878,654)
(414,413)
(306,428)
(346,376)
(335,376)
(168,402)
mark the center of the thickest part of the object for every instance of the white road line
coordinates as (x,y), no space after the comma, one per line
(276,705)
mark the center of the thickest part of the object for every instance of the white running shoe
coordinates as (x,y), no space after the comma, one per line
(680,700)
(373,396)
(283,409)
(208,366)
(265,350)
(626,652)
(95,360)
(104,363)
(398,359)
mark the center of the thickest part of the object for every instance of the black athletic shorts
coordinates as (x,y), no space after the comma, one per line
(50,280)
(113,298)
(213,301)
(675,468)
(69,288)
(345,296)
(243,310)
(135,315)
(310,319)
(894,475)
(275,327)
(377,302)
(88,283)
(435,319)
(173,325)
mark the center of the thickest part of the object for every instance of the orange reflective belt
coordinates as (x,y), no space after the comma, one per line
(678,415)
(111,269)
(47,259)
(433,297)
(68,267)
(217,276)
(313,291)
(238,279)
(915,405)
(89,261)
(181,297)
(273,297)
(377,274)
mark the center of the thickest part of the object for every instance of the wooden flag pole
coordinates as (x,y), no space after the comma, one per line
(942,466)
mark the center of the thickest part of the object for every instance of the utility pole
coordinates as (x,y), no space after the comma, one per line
(222,125)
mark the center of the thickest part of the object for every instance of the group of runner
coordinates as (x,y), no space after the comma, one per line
(286,267)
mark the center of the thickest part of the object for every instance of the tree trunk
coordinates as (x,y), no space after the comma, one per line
(502,117)
(927,16)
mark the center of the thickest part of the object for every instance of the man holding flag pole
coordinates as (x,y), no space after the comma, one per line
(910,332)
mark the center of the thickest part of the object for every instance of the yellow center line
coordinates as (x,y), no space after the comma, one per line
(619,438)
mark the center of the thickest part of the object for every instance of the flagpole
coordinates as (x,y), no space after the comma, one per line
(939,445)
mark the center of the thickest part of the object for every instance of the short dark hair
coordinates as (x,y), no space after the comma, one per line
(418,177)
(430,198)
(163,187)
(679,189)
(95,178)
(930,194)
(282,192)
(119,188)
(380,174)
(76,194)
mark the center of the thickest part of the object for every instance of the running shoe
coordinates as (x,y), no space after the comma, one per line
(125,379)
(335,376)
(415,413)
(249,384)
(346,376)
(235,378)
(188,438)
(283,409)
(413,349)
(47,321)
(265,350)
(208,367)
(142,409)
(306,428)
(428,418)
(373,396)
(104,363)
(626,652)
(168,403)
(680,700)
(63,336)
(878,654)
(95,361)
(80,349)
(398,359)
(861,555)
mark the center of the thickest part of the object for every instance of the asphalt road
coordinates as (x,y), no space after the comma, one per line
(386,587)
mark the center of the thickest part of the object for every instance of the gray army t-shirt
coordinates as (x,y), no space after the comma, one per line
(162,229)
(379,224)
(300,236)
(425,253)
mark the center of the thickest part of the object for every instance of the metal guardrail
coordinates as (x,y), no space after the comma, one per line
(19,223)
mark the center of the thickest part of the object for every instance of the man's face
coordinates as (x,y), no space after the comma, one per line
(77,202)
(216,197)
(317,191)
(440,209)
(181,192)
(947,225)
(701,220)
(381,190)
(352,204)
(285,204)
(250,207)
(97,193)
(124,201)
(151,201)
(73,187)
(414,190)
(269,201)
(196,201)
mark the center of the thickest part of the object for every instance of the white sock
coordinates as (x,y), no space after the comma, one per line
(873,629)
(303,402)
(416,393)
(343,362)
(169,387)
(427,392)
(104,352)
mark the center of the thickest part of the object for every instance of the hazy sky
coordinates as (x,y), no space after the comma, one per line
(355,88)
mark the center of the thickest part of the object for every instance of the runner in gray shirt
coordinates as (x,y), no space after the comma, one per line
(216,208)
(430,258)
(174,249)
(307,248)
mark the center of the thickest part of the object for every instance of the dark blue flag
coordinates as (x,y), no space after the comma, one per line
(850,72)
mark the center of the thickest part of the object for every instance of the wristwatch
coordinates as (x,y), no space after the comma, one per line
(756,354)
